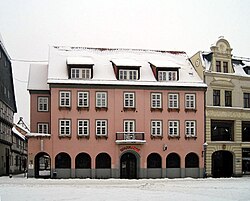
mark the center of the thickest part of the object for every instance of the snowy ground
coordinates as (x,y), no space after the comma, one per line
(23,189)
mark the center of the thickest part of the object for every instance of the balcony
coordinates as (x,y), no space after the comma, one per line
(130,138)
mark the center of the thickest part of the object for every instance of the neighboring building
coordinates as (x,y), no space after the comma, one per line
(7,109)
(227,110)
(19,149)
(120,113)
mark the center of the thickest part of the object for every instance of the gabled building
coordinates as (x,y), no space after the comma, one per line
(120,113)
(7,109)
(227,109)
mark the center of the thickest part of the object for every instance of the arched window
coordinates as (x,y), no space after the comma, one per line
(103,160)
(63,160)
(83,160)
(173,161)
(191,161)
(154,161)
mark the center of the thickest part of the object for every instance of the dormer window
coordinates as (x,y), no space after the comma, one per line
(81,73)
(167,75)
(80,67)
(165,70)
(247,70)
(126,69)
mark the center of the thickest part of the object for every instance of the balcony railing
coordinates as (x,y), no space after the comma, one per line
(130,138)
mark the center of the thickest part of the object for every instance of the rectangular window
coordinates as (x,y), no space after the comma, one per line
(225,67)
(246,100)
(218,66)
(128,74)
(173,128)
(190,128)
(43,128)
(129,126)
(222,130)
(65,98)
(101,99)
(216,97)
(245,131)
(65,127)
(167,75)
(156,128)
(129,100)
(156,100)
(228,98)
(101,127)
(43,104)
(173,101)
(83,127)
(190,101)
(83,99)
(80,73)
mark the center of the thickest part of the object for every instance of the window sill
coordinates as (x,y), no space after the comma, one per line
(171,137)
(64,136)
(101,109)
(156,109)
(173,109)
(190,110)
(83,136)
(101,137)
(129,109)
(156,137)
(64,108)
(83,108)
(187,137)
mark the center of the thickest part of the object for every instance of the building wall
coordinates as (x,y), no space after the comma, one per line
(115,115)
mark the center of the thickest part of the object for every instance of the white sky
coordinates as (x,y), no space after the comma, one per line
(29,27)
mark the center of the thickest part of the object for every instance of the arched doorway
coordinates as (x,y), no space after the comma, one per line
(103,166)
(173,165)
(42,165)
(128,166)
(154,166)
(222,164)
(62,165)
(83,165)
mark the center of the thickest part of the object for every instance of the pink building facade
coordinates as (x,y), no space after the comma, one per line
(115,113)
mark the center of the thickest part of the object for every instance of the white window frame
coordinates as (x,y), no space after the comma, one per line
(129,126)
(125,74)
(173,128)
(101,127)
(167,75)
(156,128)
(81,73)
(43,104)
(83,99)
(190,101)
(65,99)
(173,100)
(101,99)
(43,128)
(129,100)
(190,128)
(83,127)
(64,127)
(156,100)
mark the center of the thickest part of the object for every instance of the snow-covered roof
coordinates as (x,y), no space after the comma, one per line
(103,73)
(80,61)
(2,45)
(38,135)
(164,64)
(126,62)
(38,75)
(239,63)
(16,132)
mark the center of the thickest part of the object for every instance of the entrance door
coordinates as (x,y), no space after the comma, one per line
(222,163)
(128,166)
(7,160)
(42,166)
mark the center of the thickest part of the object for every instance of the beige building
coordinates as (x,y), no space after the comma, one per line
(227,141)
